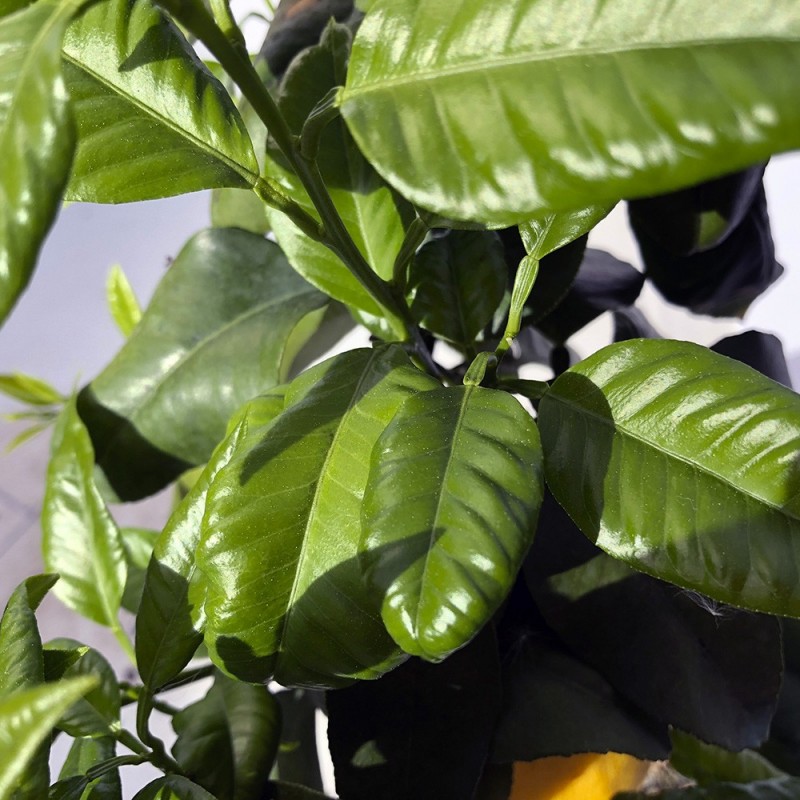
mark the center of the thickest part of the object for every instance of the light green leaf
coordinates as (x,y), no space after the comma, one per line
(26,435)
(499,112)
(173,787)
(84,754)
(122,302)
(684,464)
(215,334)
(37,138)
(239,208)
(281,533)
(170,621)
(30,390)
(151,120)
(454,490)
(80,540)
(546,234)
(138,544)
(26,719)
(227,741)
(375,217)
(456,283)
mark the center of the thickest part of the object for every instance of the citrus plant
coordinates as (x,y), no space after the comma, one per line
(485,580)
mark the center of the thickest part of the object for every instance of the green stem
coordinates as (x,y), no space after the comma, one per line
(188,676)
(158,759)
(523,283)
(271,194)
(98,770)
(227,24)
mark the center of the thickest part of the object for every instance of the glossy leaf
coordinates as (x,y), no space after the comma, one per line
(699,666)
(774,789)
(97,712)
(30,390)
(138,544)
(173,787)
(81,542)
(450,508)
(86,753)
(375,217)
(122,302)
(151,120)
(544,235)
(456,283)
(37,138)
(281,533)
(26,719)
(214,335)
(684,464)
(575,103)
(228,740)
(423,730)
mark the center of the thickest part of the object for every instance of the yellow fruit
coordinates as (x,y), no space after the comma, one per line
(588,776)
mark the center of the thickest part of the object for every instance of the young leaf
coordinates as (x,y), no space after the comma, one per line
(281,533)
(524,81)
(30,390)
(449,511)
(228,740)
(26,719)
(37,138)
(122,301)
(423,730)
(80,540)
(84,754)
(151,120)
(684,464)
(214,335)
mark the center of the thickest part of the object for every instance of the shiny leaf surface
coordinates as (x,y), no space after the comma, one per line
(227,741)
(575,102)
(37,138)
(151,120)
(214,335)
(281,533)
(26,719)
(684,464)
(450,509)
(81,542)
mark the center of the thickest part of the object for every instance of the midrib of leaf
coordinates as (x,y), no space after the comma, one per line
(456,429)
(235,166)
(616,427)
(578,53)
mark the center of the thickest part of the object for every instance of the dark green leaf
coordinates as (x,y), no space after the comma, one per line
(58,660)
(297,760)
(775,789)
(281,533)
(423,730)
(37,138)
(86,753)
(30,390)
(215,334)
(456,283)
(173,787)
(576,103)
(761,351)
(26,719)
(152,121)
(68,789)
(684,464)
(709,669)
(81,541)
(278,790)
(122,302)
(454,489)
(138,544)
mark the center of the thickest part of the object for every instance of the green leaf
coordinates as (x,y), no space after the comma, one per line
(30,390)
(280,790)
(138,544)
(775,789)
(215,334)
(682,463)
(375,217)
(58,660)
(122,301)
(450,509)
(37,138)
(26,719)
(151,120)
(423,730)
(97,712)
(173,787)
(281,534)
(239,208)
(80,540)
(86,753)
(546,234)
(228,740)
(456,283)
(576,103)
(298,760)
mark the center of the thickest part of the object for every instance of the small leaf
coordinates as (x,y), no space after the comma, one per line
(138,544)
(37,138)
(449,511)
(683,464)
(214,335)
(423,730)
(295,606)
(81,541)
(456,283)
(228,740)
(122,302)
(26,719)
(30,390)
(84,754)
(544,235)
(26,435)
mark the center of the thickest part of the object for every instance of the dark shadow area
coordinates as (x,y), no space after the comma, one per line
(157,45)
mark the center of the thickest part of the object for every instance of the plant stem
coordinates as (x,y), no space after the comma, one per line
(124,641)
(160,760)
(189,676)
